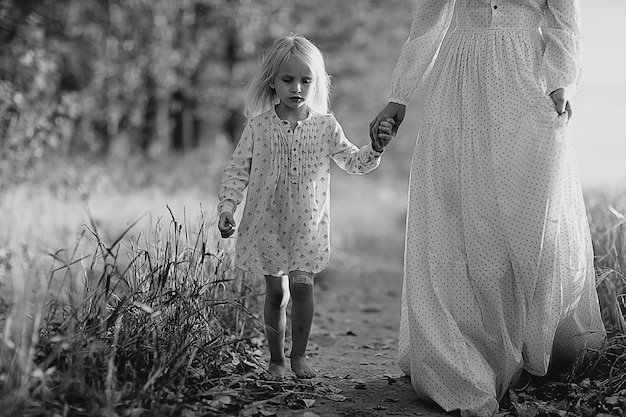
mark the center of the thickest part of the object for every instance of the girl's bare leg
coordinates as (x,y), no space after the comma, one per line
(302,309)
(274,314)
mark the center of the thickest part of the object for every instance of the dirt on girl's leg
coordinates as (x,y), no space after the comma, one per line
(302,309)
(274,314)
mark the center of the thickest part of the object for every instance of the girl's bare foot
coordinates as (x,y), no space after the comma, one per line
(301,368)
(277,370)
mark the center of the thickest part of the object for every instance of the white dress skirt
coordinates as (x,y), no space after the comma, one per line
(499,272)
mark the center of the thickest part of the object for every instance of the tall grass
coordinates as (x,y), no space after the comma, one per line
(607,220)
(146,321)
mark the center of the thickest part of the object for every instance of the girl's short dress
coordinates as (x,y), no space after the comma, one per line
(499,272)
(285,224)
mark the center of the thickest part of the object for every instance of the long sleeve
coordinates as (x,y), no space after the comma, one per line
(431,20)
(236,174)
(561,57)
(348,156)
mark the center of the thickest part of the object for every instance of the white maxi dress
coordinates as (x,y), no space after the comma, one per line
(499,272)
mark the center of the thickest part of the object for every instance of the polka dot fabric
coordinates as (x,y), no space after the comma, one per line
(498,264)
(285,223)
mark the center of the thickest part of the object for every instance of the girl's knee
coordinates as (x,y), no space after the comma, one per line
(276,292)
(301,285)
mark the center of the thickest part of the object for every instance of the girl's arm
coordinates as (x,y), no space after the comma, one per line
(347,155)
(561,56)
(236,174)
(431,20)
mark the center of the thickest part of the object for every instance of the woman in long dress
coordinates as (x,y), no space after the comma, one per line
(499,274)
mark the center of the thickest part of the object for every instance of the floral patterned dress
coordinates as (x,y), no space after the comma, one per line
(285,224)
(499,272)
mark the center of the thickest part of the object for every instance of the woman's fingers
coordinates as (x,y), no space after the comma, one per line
(374,128)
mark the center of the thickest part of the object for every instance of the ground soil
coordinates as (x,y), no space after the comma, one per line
(354,342)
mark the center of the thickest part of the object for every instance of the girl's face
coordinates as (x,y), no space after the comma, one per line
(294,86)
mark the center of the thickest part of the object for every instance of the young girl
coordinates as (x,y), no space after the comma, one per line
(283,158)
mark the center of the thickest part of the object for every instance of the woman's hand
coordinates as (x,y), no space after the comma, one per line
(393,111)
(226,225)
(561,102)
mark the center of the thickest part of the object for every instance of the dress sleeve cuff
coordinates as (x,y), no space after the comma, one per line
(226,206)
(395,99)
(374,152)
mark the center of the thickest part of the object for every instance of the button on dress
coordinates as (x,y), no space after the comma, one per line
(285,224)
(498,265)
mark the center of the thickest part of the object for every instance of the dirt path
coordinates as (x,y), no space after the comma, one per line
(354,341)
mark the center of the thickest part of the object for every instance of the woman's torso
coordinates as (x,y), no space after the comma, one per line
(491,14)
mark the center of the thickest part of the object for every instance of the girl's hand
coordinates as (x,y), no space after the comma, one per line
(226,225)
(561,103)
(393,111)
(385,133)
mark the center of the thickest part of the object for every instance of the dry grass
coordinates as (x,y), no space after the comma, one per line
(156,319)
(127,315)
(141,314)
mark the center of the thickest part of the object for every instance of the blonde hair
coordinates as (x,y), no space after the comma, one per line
(259,96)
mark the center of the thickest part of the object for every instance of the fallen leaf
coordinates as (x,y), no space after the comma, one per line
(309,414)
(307,402)
(615,400)
(334,389)
(336,397)
(220,402)
(249,412)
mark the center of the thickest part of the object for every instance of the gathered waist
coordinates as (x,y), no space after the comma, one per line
(464,30)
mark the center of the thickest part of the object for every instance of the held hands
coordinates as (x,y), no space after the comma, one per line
(226,225)
(394,112)
(385,129)
(561,102)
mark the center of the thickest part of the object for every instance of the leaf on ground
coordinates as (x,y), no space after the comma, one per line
(329,389)
(307,402)
(337,397)
(220,402)
(615,400)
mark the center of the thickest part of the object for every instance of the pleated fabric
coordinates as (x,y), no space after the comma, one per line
(499,272)
(285,172)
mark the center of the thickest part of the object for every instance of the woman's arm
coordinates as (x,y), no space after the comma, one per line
(431,20)
(561,57)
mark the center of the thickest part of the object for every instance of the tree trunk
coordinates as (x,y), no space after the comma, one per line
(163,132)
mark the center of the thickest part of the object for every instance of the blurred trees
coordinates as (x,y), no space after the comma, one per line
(149,76)
(125,75)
